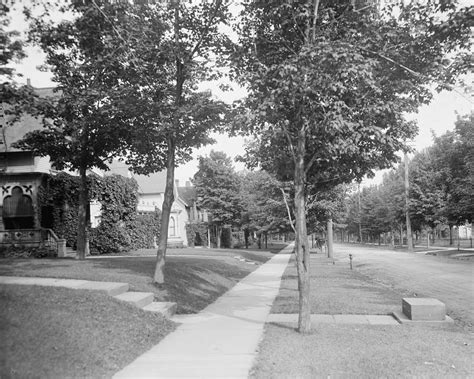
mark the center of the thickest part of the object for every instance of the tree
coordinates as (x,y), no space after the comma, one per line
(442,178)
(83,126)
(15,100)
(218,191)
(147,59)
(328,85)
(161,52)
(264,205)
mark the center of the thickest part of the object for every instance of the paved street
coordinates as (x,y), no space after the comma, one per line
(448,280)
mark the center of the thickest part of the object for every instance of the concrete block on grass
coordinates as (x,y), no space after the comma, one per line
(423,309)
(403,319)
(139,299)
(167,309)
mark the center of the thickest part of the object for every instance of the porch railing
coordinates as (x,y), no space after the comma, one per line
(34,238)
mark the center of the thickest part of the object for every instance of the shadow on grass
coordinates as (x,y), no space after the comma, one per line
(192,283)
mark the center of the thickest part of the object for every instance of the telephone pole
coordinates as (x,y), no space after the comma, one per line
(330,239)
(407,209)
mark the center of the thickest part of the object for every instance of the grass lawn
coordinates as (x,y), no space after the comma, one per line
(252,253)
(369,351)
(191,282)
(335,289)
(50,332)
(55,332)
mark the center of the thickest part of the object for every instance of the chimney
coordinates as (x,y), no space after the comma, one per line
(28,82)
(188,183)
(176,182)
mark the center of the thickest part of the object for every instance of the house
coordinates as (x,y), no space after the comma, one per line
(151,191)
(21,177)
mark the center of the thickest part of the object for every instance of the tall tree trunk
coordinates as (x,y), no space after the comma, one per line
(330,239)
(301,242)
(159,276)
(82,215)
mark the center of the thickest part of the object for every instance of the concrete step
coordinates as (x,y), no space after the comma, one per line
(139,299)
(167,309)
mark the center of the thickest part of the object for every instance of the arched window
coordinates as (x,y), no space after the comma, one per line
(172,227)
(18,210)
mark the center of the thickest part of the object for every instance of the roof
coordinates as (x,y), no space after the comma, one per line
(187,194)
(147,184)
(119,168)
(153,183)
(27,123)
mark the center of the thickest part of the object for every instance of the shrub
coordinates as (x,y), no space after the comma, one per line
(145,230)
(109,238)
(11,251)
(197,231)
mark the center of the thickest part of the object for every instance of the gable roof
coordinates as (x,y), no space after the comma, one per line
(153,183)
(187,194)
(27,123)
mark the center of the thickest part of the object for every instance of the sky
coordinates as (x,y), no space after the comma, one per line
(437,117)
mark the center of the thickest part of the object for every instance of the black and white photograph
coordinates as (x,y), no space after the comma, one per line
(263,189)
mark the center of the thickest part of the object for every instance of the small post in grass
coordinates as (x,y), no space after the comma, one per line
(350,260)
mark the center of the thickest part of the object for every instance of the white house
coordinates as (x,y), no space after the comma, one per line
(151,191)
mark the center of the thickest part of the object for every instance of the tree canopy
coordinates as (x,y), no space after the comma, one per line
(328,84)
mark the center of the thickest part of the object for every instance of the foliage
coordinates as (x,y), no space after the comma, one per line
(197,231)
(328,85)
(440,188)
(120,228)
(217,188)
(15,99)
(59,196)
(323,206)
(83,126)
(26,252)
(264,209)
(118,197)
(144,231)
(152,56)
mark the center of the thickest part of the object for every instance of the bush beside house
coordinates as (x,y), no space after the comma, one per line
(120,228)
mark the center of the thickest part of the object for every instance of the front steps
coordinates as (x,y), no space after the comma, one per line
(119,291)
(138,299)
(145,301)
(167,309)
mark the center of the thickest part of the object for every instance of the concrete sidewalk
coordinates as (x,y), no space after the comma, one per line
(222,340)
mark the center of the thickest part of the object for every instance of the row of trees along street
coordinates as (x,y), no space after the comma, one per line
(440,192)
(328,83)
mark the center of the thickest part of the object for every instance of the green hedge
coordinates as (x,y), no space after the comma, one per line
(197,231)
(121,228)
(145,230)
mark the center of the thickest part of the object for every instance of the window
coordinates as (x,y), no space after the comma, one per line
(18,210)
(172,227)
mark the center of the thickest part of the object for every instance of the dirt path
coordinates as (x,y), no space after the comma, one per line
(448,280)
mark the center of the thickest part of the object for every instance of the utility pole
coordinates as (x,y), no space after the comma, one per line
(407,209)
(330,239)
(360,225)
